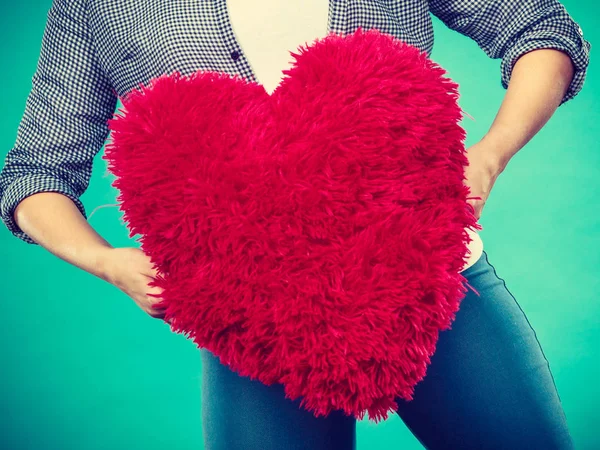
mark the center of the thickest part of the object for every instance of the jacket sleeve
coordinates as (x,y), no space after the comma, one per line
(508,29)
(65,120)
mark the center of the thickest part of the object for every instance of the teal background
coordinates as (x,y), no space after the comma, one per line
(84,368)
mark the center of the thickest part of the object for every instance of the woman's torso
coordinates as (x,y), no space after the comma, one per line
(137,41)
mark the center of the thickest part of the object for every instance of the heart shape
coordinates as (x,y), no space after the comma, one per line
(313,237)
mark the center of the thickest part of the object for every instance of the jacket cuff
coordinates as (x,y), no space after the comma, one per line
(27,185)
(573,45)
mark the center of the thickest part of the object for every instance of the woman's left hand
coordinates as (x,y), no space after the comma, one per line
(481,173)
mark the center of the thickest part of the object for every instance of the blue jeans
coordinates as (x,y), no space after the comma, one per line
(488,386)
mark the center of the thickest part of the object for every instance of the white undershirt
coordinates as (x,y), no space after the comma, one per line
(268,31)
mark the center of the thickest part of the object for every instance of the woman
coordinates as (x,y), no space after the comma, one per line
(489,384)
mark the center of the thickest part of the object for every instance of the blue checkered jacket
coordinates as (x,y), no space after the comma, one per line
(94,51)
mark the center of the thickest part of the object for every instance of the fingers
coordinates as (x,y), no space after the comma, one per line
(153,298)
(137,278)
(152,272)
(144,264)
(149,270)
(153,293)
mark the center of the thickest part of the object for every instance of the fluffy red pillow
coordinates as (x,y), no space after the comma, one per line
(311,237)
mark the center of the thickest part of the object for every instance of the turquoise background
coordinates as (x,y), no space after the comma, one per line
(84,368)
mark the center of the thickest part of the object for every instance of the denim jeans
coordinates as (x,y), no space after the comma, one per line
(489,386)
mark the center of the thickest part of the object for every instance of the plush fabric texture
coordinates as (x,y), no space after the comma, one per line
(312,237)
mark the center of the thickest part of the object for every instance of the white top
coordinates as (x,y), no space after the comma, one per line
(268,31)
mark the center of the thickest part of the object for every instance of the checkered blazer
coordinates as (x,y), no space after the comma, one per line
(94,51)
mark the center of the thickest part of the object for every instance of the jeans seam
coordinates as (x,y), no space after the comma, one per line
(530,326)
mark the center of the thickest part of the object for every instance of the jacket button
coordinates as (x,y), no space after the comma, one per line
(235,55)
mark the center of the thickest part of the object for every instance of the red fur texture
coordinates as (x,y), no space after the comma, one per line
(313,237)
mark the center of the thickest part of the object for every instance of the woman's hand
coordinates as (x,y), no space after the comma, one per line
(481,173)
(130,270)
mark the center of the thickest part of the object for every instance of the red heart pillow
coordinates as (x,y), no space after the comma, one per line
(311,237)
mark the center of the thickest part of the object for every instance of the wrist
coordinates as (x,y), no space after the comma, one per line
(103,263)
(499,151)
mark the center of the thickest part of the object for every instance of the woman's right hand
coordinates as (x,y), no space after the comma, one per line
(130,270)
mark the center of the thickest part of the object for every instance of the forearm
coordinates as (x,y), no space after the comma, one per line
(537,86)
(54,222)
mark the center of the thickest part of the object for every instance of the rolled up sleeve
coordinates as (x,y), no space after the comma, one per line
(65,120)
(508,29)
